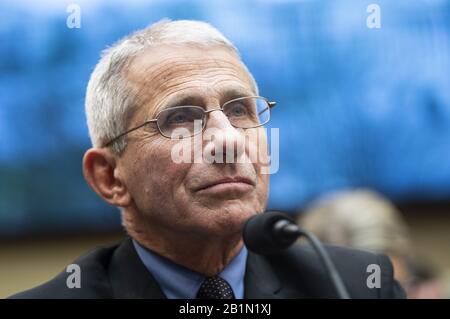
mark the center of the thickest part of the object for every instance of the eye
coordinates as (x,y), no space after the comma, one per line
(178,118)
(237,110)
(181,116)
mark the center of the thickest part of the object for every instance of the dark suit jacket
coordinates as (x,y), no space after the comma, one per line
(117,272)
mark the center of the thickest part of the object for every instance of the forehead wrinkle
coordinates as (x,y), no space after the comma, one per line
(165,78)
(222,87)
(152,107)
(217,89)
(161,77)
(175,85)
(152,100)
(181,71)
(203,74)
(201,77)
(168,94)
(160,70)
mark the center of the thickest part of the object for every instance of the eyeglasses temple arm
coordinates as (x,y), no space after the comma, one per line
(127,132)
(271,105)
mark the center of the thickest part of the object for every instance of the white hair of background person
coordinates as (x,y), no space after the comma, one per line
(109,97)
(360,219)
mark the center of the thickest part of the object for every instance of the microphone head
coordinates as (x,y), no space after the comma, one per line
(261,236)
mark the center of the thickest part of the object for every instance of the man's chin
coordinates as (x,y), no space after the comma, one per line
(228,215)
(233,221)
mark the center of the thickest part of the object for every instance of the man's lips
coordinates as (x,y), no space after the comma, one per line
(227,182)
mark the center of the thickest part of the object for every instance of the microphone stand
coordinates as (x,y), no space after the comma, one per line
(290,229)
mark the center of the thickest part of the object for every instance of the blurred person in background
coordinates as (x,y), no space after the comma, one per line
(364,219)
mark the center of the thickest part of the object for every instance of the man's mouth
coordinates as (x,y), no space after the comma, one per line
(238,183)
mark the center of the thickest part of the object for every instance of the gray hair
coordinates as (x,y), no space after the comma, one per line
(109,98)
(360,219)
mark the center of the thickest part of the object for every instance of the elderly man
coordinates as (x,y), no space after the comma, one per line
(148,100)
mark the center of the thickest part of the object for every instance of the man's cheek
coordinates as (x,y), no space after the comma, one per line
(263,189)
(258,155)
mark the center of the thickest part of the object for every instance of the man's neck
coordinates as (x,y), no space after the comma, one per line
(202,254)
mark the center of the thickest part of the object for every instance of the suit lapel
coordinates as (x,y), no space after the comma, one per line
(129,277)
(260,279)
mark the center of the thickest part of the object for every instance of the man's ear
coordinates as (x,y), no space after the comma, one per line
(100,171)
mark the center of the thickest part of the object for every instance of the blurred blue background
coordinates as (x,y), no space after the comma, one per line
(357,107)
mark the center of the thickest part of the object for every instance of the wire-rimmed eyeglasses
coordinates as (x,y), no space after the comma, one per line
(182,121)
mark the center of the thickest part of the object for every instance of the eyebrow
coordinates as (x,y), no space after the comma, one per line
(181,99)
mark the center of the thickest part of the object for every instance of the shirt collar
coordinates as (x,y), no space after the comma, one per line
(177,281)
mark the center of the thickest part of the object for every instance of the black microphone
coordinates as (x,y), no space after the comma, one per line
(271,232)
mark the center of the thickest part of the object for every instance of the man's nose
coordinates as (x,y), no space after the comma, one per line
(225,143)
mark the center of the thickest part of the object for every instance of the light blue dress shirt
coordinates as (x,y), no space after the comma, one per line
(178,282)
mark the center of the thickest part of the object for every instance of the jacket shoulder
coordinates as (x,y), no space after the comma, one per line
(365,274)
(93,268)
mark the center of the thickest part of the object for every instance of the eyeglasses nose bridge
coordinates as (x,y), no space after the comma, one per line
(210,111)
(207,112)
